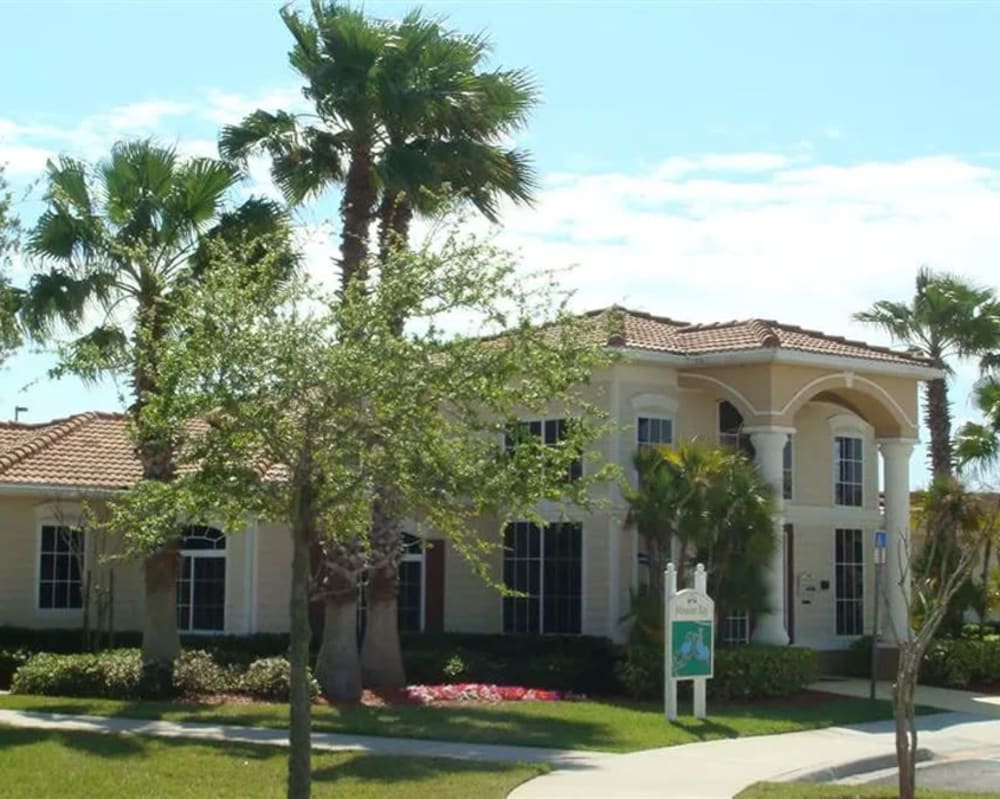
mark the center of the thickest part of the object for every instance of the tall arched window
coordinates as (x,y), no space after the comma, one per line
(201,588)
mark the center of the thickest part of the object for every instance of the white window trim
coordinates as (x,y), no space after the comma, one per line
(541,577)
(864,576)
(70,521)
(420,557)
(209,553)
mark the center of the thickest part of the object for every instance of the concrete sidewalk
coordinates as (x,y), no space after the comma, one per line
(410,747)
(720,769)
(943,698)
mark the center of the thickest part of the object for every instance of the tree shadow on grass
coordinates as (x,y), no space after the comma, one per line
(375,770)
(91,743)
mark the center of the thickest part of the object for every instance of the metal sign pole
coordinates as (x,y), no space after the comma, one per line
(880,547)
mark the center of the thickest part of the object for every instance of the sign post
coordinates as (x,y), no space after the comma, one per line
(881,544)
(689,639)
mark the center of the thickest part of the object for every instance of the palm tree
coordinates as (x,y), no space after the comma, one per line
(977,451)
(10,297)
(947,318)
(700,503)
(119,241)
(405,117)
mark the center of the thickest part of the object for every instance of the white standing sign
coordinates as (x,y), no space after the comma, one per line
(689,635)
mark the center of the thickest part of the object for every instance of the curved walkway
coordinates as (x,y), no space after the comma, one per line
(720,769)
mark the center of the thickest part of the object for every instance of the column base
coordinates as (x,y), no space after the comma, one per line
(770,630)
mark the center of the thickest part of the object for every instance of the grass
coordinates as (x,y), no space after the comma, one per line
(56,764)
(595,725)
(803,790)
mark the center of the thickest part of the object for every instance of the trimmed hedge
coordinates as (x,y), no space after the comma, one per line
(114,674)
(578,664)
(956,663)
(743,672)
(10,661)
(117,674)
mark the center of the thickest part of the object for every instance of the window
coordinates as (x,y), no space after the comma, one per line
(731,435)
(737,628)
(546,565)
(848,465)
(653,431)
(60,566)
(201,589)
(411,575)
(787,478)
(849,581)
(550,432)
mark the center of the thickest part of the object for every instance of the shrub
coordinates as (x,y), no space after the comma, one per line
(859,657)
(10,661)
(744,672)
(960,662)
(114,674)
(270,679)
(578,664)
(65,641)
(195,672)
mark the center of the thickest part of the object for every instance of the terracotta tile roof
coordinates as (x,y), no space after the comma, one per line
(89,450)
(643,331)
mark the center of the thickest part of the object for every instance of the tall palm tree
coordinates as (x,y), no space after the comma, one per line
(10,297)
(977,451)
(406,116)
(118,241)
(947,319)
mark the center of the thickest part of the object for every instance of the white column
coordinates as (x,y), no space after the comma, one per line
(769,448)
(896,484)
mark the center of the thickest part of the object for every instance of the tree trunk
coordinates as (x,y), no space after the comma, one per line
(356,210)
(381,656)
(338,667)
(300,701)
(939,424)
(161,643)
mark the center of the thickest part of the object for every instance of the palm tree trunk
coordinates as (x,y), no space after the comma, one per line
(338,667)
(939,423)
(300,701)
(356,211)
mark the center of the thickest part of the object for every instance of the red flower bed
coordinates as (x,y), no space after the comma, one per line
(480,692)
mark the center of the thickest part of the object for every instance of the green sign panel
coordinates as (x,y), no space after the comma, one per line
(690,649)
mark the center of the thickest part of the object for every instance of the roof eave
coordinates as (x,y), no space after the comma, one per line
(62,490)
(915,371)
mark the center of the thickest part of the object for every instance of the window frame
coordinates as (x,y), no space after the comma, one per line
(42,523)
(214,553)
(419,557)
(651,417)
(575,469)
(739,617)
(540,560)
(855,600)
(788,472)
(836,461)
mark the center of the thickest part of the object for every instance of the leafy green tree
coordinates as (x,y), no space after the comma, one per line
(10,297)
(965,522)
(699,503)
(947,319)
(117,242)
(407,117)
(314,401)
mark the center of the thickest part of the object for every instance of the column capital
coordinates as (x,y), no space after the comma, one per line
(896,447)
(753,429)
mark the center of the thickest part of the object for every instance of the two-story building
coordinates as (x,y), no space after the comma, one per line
(820,414)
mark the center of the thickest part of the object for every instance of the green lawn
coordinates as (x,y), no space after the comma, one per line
(803,790)
(603,726)
(35,763)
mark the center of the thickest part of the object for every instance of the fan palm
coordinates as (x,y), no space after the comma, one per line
(118,241)
(710,504)
(947,318)
(406,117)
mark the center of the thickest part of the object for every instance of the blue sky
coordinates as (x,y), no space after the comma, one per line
(704,161)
